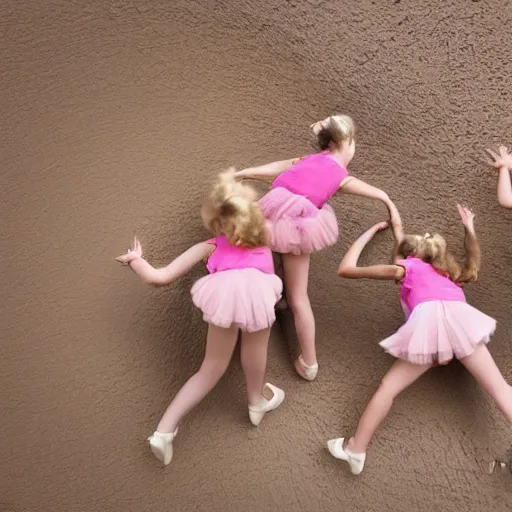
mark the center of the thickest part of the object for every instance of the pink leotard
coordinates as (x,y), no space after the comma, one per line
(317,177)
(230,257)
(422,283)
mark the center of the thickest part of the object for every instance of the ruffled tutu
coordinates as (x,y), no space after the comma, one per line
(298,226)
(242,297)
(437,331)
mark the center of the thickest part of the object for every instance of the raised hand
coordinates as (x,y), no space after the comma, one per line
(371,232)
(467,216)
(131,254)
(501,159)
(380,226)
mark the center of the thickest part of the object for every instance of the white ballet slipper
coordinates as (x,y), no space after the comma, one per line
(355,460)
(257,412)
(308,372)
(161,445)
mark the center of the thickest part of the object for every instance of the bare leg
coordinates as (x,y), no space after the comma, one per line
(399,377)
(254,363)
(220,344)
(296,274)
(483,368)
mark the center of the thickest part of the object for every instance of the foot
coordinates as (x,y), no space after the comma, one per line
(161,445)
(257,412)
(355,460)
(308,372)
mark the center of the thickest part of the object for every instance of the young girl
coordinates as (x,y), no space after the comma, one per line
(440,325)
(239,293)
(503,161)
(302,220)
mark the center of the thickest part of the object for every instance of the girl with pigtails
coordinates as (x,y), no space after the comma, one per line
(440,325)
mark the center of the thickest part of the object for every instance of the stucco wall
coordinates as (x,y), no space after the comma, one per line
(115,117)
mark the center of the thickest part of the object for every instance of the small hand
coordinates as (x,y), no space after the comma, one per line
(466,215)
(370,233)
(379,226)
(501,159)
(132,254)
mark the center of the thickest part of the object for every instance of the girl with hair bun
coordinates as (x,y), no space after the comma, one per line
(238,294)
(302,221)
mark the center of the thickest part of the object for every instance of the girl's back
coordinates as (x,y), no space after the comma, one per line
(316,177)
(226,256)
(423,283)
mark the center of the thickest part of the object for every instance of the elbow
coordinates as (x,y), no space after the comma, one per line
(155,279)
(344,271)
(505,202)
(152,281)
(386,200)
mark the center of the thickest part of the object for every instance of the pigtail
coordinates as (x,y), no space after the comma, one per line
(473,258)
(436,253)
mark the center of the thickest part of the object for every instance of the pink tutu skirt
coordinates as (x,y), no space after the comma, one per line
(298,226)
(437,331)
(242,297)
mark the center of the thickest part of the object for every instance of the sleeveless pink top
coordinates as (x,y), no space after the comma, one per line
(316,177)
(422,283)
(230,257)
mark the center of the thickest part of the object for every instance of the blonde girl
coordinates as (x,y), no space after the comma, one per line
(238,294)
(303,222)
(440,325)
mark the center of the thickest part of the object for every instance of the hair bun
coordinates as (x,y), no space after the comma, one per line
(318,126)
(332,131)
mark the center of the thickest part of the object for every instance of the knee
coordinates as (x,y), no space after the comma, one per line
(212,371)
(385,390)
(298,301)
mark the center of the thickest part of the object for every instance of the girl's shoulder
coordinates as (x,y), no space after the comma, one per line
(218,240)
(413,265)
(408,262)
(311,157)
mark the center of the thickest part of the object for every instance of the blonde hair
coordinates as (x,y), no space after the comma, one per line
(434,250)
(333,131)
(232,210)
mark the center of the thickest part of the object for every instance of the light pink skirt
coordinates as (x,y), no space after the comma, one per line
(437,331)
(244,297)
(298,226)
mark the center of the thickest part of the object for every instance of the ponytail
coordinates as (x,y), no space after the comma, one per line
(333,131)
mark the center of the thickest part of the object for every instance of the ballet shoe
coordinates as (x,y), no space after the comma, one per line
(160,444)
(355,460)
(308,372)
(257,412)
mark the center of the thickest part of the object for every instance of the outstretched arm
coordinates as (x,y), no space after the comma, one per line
(166,275)
(267,172)
(473,254)
(503,161)
(398,232)
(349,268)
(355,186)
(504,188)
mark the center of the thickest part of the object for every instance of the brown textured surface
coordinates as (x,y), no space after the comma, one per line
(115,115)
